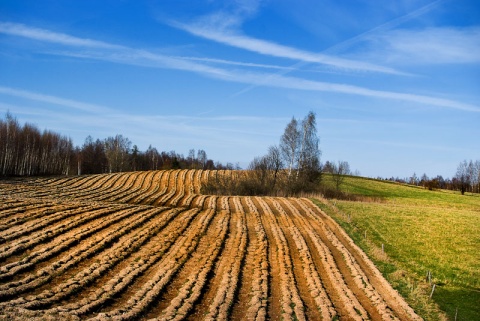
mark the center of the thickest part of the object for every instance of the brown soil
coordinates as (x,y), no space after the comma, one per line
(200,254)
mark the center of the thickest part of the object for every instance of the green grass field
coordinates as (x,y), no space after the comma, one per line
(421,231)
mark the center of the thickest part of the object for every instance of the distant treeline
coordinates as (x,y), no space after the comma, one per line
(27,151)
(466,179)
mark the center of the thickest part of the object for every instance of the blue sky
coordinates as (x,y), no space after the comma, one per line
(395,85)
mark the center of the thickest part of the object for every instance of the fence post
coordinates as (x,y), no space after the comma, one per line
(433,289)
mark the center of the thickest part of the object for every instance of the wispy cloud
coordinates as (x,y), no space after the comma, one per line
(92,108)
(231,38)
(384,27)
(16,29)
(361,38)
(182,131)
(445,45)
(237,63)
(304,84)
(144,58)
(124,55)
(94,49)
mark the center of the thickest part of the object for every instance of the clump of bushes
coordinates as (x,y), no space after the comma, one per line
(290,169)
(262,182)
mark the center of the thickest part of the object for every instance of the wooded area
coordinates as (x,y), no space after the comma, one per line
(27,151)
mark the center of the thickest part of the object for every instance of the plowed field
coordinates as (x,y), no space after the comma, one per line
(149,246)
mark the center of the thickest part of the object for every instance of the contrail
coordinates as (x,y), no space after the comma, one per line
(385,26)
(341,45)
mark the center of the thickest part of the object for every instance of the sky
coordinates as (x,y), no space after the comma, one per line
(395,85)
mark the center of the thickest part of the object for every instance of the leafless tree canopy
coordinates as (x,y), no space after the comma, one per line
(26,151)
(338,172)
(289,169)
(467,176)
(289,144)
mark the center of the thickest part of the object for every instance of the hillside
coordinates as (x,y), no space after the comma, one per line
(421,231)
(149,246)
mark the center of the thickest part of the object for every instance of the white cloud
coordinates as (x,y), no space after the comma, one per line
(384,27)
(100,50)
(446,45)
(237,63)
(125,55)
(215,31)
(54,100)
(170,121)
(21,30)
(145,59)
(304,84)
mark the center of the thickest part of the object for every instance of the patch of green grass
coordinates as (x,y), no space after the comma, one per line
(448,297)
(421,230)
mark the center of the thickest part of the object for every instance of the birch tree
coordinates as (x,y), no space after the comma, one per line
(309,155)
(202,158)
(289,143)
(117,150)
(463,177)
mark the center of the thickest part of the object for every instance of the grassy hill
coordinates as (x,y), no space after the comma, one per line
(421,232)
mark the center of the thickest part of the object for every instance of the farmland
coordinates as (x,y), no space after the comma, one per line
(148,245)
(422,232)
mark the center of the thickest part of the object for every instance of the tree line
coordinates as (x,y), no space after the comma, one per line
(27,151)
(465,179)
(289,168)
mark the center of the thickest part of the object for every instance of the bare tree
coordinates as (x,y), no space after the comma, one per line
(31,144)
(266,169)
(463,177)
(327,167)
(300,151)
(424,180)
(152,158)
(338,173)
(8,139)
(289,144)
(26,151)
(135,156)
(191,158)
(414,179)
(309,152)
(117,149)
(274,163)
(472,174)
(92,157)
(308,169)
(258,183)
(202,158)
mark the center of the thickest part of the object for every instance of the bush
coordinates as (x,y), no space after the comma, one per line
(261,183)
